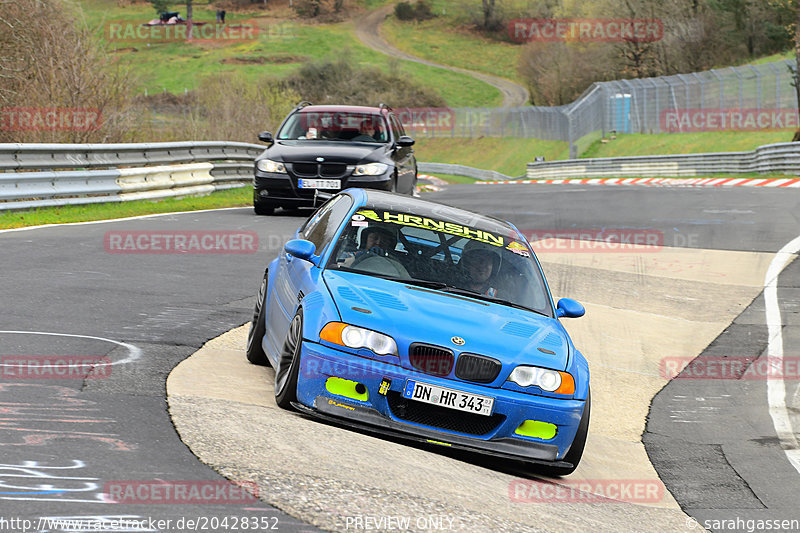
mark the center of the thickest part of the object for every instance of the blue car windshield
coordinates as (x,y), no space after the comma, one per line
(442,255)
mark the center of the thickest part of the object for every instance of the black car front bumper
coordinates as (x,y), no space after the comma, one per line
(282,189)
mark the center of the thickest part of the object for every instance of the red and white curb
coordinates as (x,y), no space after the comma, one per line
(662,182)
(435,184)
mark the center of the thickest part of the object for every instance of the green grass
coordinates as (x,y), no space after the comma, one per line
(452,45)
(242,196)
(789,54)
(506,155)
(685,143)
(282,46)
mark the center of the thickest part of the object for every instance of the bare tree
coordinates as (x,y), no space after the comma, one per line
(189,19)
(489,14)
(49,60)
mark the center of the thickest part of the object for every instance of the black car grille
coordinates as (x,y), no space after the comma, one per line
(441,417)
(314,170)
(431,359)
(477,368)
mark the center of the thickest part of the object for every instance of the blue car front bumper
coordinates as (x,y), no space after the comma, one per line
(390,413)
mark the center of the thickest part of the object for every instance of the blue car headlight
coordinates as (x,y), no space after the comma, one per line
(544,378)
(268,165)
(356,337)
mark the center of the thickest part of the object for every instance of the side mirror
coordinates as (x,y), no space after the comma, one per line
(569,308)
(266,137)
(301,249)
(404,141)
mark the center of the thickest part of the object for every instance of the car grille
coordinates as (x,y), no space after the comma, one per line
(431,359)
(313,170)
(441,417)
(477,368)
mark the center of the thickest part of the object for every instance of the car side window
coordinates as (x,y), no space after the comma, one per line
(322,226)
(397,128)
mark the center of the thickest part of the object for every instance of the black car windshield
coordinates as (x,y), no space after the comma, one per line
(335,126)
(442,255)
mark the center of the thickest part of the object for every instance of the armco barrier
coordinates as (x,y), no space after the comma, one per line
(781,158)
(38,175)
(461,170)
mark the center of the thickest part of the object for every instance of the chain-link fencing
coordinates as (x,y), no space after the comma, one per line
(753,97)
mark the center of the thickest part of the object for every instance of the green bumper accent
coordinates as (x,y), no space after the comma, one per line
(346,388)
(536,429)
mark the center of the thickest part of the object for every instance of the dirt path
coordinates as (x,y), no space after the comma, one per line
(368,30)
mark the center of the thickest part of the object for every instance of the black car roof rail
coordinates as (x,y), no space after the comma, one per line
(302,104)
(384,106)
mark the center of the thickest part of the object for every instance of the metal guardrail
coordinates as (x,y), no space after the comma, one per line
(780,158)
(38,175)
(461,170)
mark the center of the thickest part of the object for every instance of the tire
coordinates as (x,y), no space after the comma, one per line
(576,450)
(289,364)
(264,208)
(255,352)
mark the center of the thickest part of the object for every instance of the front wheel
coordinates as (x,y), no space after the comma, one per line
(289,364)
(578,443)
(264,208)
(255,352)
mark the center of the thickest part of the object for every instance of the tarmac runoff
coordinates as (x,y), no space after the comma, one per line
(643,306)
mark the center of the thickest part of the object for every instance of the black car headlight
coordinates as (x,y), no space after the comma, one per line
(370,169)
(268,165)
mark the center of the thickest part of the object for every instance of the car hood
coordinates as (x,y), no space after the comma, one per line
(416,314)
(334,151)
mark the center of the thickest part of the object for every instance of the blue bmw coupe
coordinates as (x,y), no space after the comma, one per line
(427,322)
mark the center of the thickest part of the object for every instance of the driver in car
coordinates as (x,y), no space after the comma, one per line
(480,264)
(374,240)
